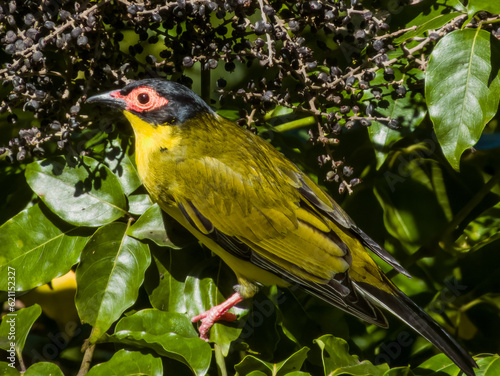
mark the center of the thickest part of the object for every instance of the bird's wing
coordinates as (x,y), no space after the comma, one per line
(281,222)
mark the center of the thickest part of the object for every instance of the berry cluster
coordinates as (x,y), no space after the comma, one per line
(319,58)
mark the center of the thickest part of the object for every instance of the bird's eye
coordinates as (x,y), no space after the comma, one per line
(143,98)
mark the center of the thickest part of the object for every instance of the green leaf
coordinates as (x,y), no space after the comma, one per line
(151,226)
(138,204)
(409,110)
(251,364)
(462,89)
(482,231)
(168,334)
(441,363)
(38,247)
(7,370)
(122,167)
(489,366)
(424,11)
(413,222)
(475,6)
(16,325)
(399,371)
(431,24)
(165,279)
(44,368)
(109,276)
(85,195)
(129,363)
(338,361)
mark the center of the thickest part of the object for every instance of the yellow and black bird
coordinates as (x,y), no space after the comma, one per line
(256,210)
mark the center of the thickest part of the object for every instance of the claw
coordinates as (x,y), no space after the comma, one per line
(217,313)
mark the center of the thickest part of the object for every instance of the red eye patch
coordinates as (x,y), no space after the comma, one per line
(142,99)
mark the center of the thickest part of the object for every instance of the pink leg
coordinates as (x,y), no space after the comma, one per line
(219,312)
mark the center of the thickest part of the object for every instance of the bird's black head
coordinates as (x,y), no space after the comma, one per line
(156,101)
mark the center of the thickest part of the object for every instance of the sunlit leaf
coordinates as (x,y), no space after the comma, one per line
(109,276)
(168,334)
(290,365)
(462,89)
(88,194)
(16,325)
(122,166)
(338,361)
(150,226)
(44,368)
(129,363)
(38,247)
(475,6)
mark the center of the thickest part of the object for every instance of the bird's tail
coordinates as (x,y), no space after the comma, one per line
(407,311)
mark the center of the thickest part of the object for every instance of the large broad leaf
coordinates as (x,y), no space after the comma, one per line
(6,369)
(475,6)
(129,363)
(168,334)
(16,325)
(338,361)
(414,222)
(122,166)
(150,226)
(44,368)
(166,278)
(286,367)
(38,247)
(462,89)
(109,276)
(85,195)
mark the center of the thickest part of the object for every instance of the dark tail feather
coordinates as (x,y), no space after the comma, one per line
(406,310)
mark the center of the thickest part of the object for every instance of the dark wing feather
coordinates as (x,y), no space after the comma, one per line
(339,291)
(407,311)
(310,192)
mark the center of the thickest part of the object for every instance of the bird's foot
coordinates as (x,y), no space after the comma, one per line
(217,313)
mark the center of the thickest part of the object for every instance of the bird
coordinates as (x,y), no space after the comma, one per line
(255,209)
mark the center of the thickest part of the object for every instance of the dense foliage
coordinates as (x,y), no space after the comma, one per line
(390,105)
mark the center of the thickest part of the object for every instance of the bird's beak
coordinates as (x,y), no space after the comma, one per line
(109,100)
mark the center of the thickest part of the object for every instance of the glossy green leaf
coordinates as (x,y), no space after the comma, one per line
(16,325)
(251,364)
(431,24)
(122,167)
(202,293)
(419,13)
(462,89)
(409,110)
(399,371)
(441,363)
(151,226)
(338,361)
(139,203)
(489,366)
(39,247)
(88,194)
(44,368)
(109,276)
(168,334)
(166,277)
(413,222)
(475,6)
(480,232)
(129,363)
(7,370)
